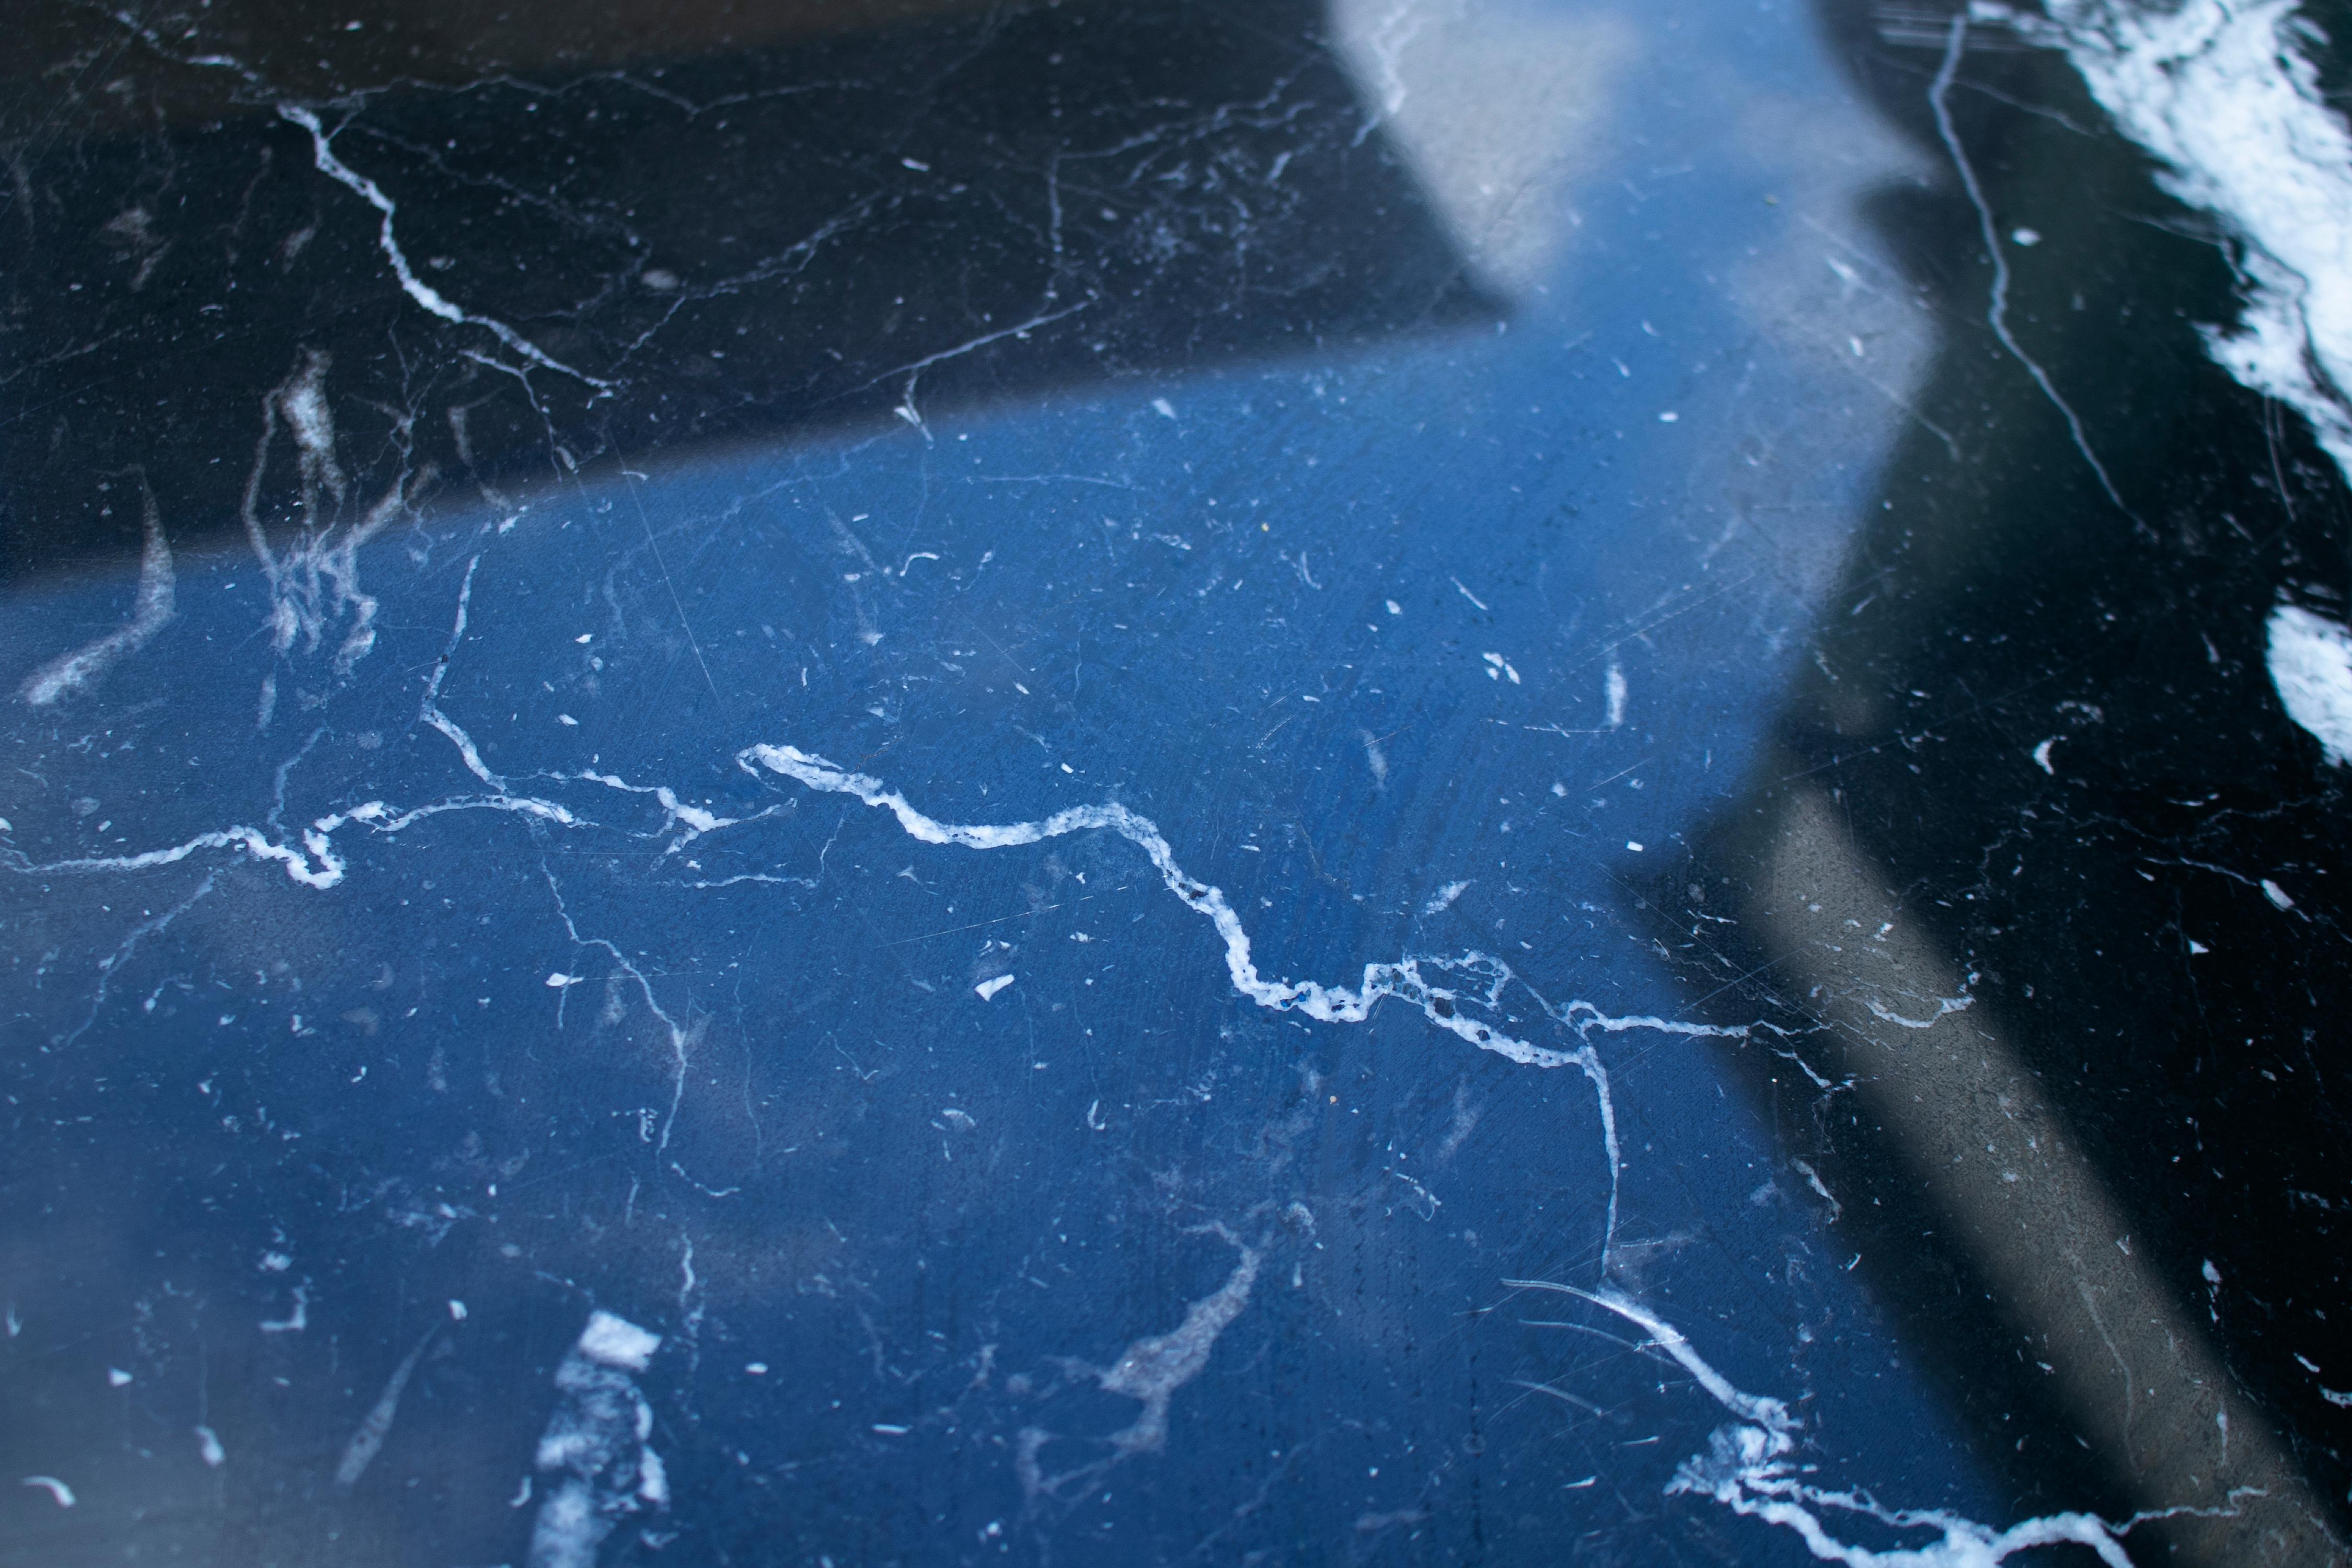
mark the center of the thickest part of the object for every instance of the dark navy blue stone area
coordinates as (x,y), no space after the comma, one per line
(1155,784)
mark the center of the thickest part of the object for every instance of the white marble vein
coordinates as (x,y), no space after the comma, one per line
(1153,1368)
(150,609)
(1404,980)
(416,289)
(2310,660)
(1997,312)
(317,577)
(2227,98)
(1749,1469)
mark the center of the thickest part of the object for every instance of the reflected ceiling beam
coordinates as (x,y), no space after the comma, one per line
(2136,1371)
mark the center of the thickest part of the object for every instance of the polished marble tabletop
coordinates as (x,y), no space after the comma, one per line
(1422,781)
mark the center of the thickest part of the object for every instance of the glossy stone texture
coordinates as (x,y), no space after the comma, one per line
(1482,782)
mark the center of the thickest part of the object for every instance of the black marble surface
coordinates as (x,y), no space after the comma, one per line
(1384,781)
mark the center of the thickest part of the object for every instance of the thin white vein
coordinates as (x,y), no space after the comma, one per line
(423,294)
(151,607)
(679,1039)
(129,945)
(465,744)
(695,820)
(1748,1469)
(313,863)
(429,709)
(1325,1004)
(1583,1016)
(1767,1412)
(1418,981)
(1404,980)
(913,370)
(1944,1006)
(1997,315)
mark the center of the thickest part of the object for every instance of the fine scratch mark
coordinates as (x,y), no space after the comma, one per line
(2131,1383)
(1997,316)
(684,625)
(150,609)
(423,294)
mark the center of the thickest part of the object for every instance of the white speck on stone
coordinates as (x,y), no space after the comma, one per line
(988,988)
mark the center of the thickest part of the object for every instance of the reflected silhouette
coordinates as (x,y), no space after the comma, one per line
(831,223)
(2071,1072)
